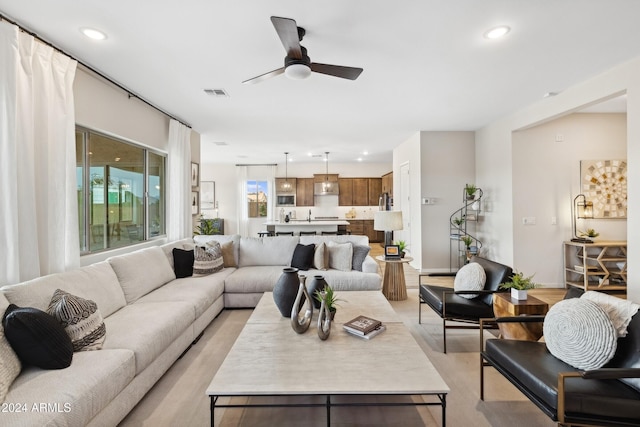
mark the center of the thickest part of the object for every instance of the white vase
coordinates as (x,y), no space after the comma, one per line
(519,294)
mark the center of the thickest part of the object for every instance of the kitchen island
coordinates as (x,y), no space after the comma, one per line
(334,225)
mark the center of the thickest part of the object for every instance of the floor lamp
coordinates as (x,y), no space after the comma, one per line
(387,221)
(581,209)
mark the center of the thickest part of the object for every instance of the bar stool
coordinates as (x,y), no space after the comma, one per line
(265,233)
(329,233)
(308,233)
(284,233)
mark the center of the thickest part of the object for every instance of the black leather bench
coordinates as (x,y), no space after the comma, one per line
(450,306)
(566,394)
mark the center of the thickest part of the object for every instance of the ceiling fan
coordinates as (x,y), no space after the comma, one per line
(297,64)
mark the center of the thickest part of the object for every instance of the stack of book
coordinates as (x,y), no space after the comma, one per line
(364,327)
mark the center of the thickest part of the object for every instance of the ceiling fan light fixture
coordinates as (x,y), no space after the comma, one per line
(497,32)
(297,71)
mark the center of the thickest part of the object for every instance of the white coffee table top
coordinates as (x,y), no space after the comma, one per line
(269,358)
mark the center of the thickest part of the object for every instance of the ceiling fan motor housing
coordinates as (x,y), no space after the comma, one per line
(304,60)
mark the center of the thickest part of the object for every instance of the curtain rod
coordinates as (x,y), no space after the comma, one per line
(93,70)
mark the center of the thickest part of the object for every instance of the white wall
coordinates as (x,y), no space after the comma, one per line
(494,159)
(546,178)
(227,189)
(448,163)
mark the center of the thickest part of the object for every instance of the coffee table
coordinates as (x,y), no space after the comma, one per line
(270,359)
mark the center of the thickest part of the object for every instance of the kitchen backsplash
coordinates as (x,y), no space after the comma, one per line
(362,212)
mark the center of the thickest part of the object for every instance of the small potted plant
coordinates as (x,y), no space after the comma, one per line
(206,227)
(458,221)
(471,191)
(467,240)
(519,285)
(590,233)
(330,299)
(402,246)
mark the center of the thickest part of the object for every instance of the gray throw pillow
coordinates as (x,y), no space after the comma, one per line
(360,252)
(80,318)
(207,260)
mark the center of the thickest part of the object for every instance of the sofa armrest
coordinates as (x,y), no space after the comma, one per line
(369,265)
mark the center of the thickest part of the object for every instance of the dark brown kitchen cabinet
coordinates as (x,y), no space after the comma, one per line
(387,183)
(304,192)
(361,192)
(375,188)
(345,197)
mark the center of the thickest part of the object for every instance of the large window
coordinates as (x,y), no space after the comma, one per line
(257,198)
(121,196)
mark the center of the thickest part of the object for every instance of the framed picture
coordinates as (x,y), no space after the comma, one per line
(195,203)
(207,195)
(195,174)
(392,252)
(604,182)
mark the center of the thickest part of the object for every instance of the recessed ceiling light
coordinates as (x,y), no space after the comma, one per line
(497,32)
(359,159)
(93,34)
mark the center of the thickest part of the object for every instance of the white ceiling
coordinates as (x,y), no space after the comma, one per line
(426,64)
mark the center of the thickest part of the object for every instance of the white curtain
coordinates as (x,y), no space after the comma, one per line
(243,206)
(38,212)
(179,179)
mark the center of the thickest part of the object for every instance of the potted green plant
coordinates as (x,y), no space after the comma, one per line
(519,284)
(590,232)
(458,221)
(330,299)
(471,191)
(206,227)
(402,245)
(467,240)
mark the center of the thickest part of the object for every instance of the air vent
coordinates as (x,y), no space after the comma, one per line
(218,93)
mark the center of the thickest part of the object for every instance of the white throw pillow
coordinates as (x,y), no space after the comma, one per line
(471,277)
(579,332)
(340,255)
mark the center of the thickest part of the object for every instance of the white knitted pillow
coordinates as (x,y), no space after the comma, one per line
(579,332)
(471,277)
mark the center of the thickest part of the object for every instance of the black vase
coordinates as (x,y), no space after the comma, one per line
(285,290)
(317,283)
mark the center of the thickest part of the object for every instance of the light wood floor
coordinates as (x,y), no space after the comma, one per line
(179,399)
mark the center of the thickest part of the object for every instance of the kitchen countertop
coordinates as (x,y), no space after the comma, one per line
(304,222)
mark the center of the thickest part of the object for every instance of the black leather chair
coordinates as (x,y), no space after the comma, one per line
(450,306)
(566,394)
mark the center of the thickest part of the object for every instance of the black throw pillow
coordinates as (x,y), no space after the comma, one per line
(37,338)
(303,256)
(183,262)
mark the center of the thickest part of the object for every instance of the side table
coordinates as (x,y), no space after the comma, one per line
(394,286)
(505,306)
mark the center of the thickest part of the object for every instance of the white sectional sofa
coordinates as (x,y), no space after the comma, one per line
(151,318)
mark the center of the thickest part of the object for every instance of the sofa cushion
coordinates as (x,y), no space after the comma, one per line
(10,365)
(97,282)
(303,256)
(267,251)
(340,255)
(321,256)
(224,240)
(579,332)
(37,338)
(183,262)
(72,396)
(80,318)
(207,259)
(628,352)
(353,238)
(360,253)
(349,280)
(470,277)
(261,278)
(168,248)
(136,281)
(199,291)
(158,324)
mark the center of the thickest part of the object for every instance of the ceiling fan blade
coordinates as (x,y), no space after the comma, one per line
(287,30)
(265,76)
(350,73)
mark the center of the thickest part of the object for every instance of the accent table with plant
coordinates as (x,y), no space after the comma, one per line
(519,284)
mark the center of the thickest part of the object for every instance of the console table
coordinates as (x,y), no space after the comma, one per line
(597,266)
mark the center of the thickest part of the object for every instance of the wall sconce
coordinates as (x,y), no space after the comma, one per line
(581,209)
(387,221)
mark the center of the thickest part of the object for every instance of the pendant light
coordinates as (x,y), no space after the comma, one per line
(326,185)
(286,186)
